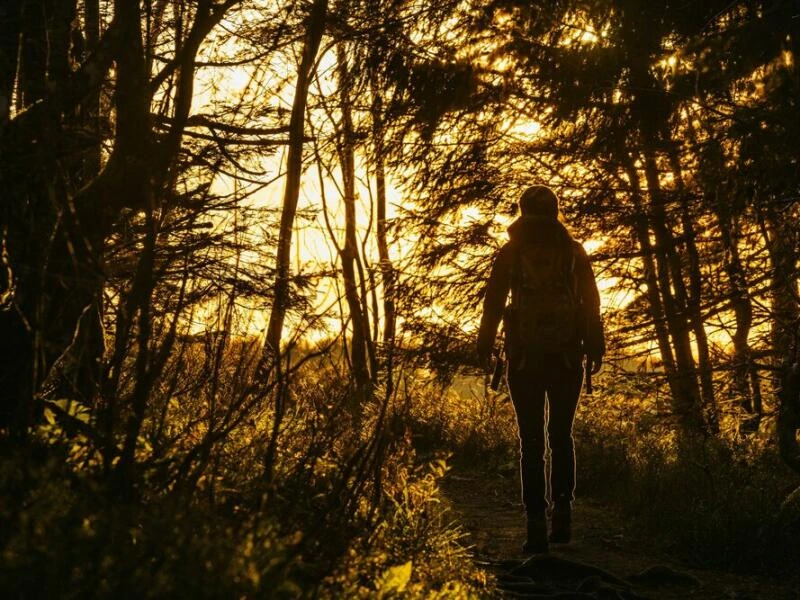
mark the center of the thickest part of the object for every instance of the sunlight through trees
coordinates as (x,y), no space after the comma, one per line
(245,245)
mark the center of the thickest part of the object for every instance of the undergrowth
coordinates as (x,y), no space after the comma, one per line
(714,501)
(344,511)
(353,509)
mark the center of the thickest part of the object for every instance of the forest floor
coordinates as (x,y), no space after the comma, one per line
(604,560)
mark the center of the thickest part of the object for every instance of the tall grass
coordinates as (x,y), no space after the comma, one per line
(715,501)
(342,512)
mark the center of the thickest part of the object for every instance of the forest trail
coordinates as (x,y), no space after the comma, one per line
(603,561)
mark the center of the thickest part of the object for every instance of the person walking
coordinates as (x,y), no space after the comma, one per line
(552,324)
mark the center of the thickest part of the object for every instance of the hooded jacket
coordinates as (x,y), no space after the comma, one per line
(549,231)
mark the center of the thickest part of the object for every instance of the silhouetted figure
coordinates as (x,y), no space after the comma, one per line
(551,323)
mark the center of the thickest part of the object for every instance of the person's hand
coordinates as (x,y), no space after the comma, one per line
(593,365)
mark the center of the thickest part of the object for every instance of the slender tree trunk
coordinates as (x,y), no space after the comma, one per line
(387,269)
(745,373)
(132,101)
(651,121)
(657,312)
(86,382)
(368,330)
(370,295)
(315,26)
(60,19)
(349,250)
(673,294)
(140,300)
(777,227)
(694,297)
(32,73)
(719,197)
(668,327)
(91,108)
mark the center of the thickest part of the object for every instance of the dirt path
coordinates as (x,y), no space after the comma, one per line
(601,562)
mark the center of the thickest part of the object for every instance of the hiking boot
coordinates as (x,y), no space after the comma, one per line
(561,522)
(537,534)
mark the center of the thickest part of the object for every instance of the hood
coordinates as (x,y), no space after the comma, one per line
(538,229)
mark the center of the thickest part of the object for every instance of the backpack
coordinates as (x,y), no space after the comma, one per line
(545,304)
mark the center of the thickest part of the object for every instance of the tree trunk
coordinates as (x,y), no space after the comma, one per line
(777,227)
(667,321)
(349,251)
(369,331)
(49,292)
(387,269)
(745,373)
(694,297)
(650,113)
(719,198)
(91,108)
(32,74)
(315,26)
(673,294)
(657,312)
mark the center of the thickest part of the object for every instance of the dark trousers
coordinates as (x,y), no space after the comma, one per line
(529,381)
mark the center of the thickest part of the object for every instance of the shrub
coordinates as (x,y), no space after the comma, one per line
(714,500)
(343,511)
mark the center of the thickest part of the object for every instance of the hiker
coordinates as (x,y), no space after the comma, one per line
(552,323)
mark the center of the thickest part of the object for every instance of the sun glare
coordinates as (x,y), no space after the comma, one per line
(580,31)
(525,128)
